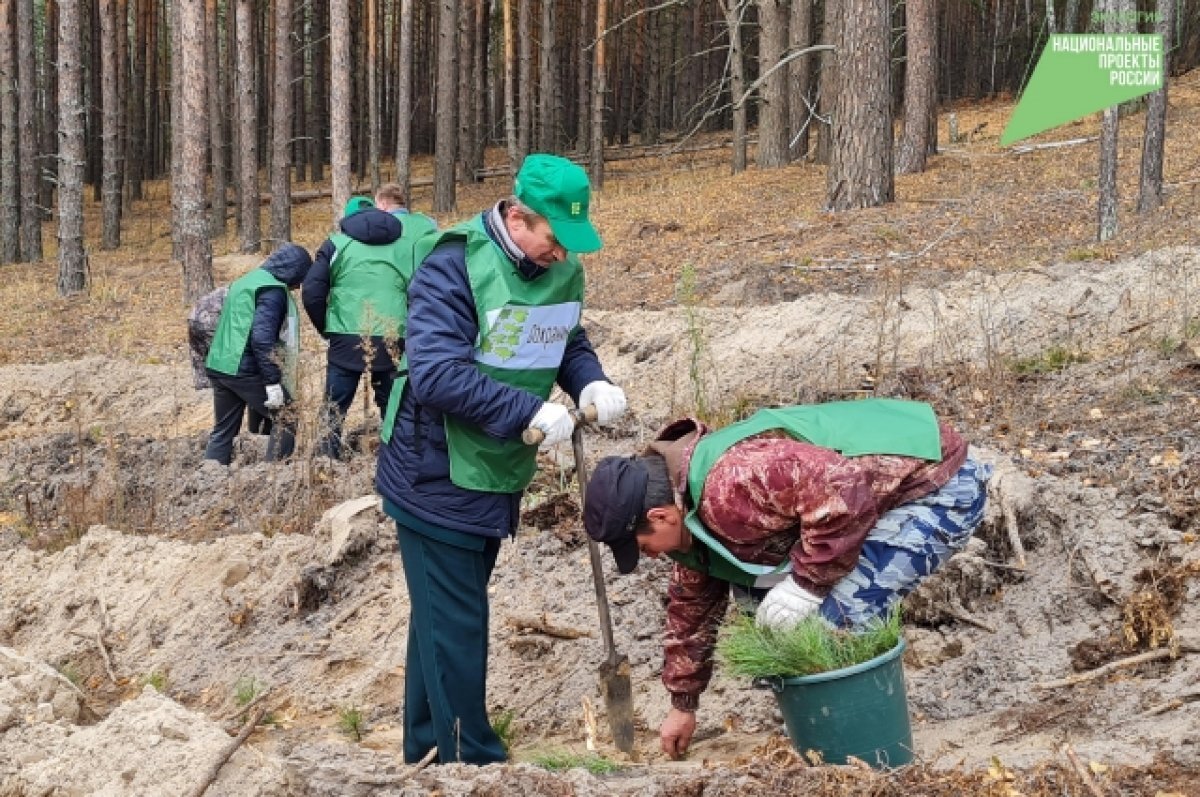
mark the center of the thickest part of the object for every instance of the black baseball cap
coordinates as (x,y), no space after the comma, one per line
(614,505)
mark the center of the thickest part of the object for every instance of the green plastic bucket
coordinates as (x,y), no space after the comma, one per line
(859,711)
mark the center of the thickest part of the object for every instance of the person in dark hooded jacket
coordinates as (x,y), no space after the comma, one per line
(355,296)
(258,324)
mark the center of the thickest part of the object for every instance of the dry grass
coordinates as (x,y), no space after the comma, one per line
(978,206)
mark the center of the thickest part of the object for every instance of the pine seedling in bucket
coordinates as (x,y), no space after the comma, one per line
(841,692)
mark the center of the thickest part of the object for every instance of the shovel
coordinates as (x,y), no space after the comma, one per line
(614,670)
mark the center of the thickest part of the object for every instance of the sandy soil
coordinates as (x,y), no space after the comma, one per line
(203,582)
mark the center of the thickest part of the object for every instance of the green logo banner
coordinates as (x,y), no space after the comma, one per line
(1079,74)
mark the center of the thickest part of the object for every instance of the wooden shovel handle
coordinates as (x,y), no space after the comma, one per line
(533,437)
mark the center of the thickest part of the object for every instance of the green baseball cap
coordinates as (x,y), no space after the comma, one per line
(558,190)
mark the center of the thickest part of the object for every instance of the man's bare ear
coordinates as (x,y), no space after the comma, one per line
(663,514)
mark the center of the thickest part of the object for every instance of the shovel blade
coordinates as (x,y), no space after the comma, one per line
(617,689)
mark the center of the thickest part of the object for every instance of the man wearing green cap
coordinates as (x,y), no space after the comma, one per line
(494,313)
(355,297)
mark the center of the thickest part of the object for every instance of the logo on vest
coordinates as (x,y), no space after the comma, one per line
(547,336)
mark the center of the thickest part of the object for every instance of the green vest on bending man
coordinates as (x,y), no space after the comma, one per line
(836,509)
(356,297)
(493,324)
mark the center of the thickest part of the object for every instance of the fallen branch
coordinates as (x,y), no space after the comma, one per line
(353,610)
(962,614)
(227,753)
(1084,775)
(425,761)
(260,698)
(1171,705)
(1054,144)
(1142,658)
(1010,523)
(103,652)
(542,625)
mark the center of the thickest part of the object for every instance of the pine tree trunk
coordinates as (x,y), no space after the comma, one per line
(827,82)
(733,10)
(404,86)
(31,222)
(599,92)
(299,121)
(860,167)
(318,126)
(466,70)
(652,117)
(247,86)
(93,130)
(176,140)
(773,102)
(1150,181)
(49,126)
(511,135)
(135,167)
(1110,129)
(548,101)
(480,84)
(373,94)
(339,99)
(525,78)
(583,89)
(445,156)
(195,247)
(800,118)
(10,188)
(110,193)
(216,117)
(920,86)
(72,260)
(281,124)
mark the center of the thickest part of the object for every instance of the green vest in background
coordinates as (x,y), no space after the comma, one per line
(368,287)
(237,316)
(852,428)
(524,326)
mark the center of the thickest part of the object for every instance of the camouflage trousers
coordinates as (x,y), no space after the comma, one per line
(907,544)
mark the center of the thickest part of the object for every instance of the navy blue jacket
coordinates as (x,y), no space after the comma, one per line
(288,264)
(413,472)
(373,227)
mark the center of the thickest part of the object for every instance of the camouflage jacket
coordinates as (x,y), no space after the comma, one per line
(771,497)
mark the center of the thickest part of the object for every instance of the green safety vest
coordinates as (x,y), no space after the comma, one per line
(524,326)
(852,428)
(367,287)
(237,317)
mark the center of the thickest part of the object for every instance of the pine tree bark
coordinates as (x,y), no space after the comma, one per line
(247,88)
(549,100)
(465,92)
(773,99)
(404,86)
(920,86)
(339,102)
(599,96)
(827,82)
(10,181)
(195,247)
(135,166)
(216,117)
(1110,128)
(800,117)
(652,118)
(860,166)
(318,125)
(175,109)
(525,78)
(1154,137)
(72,259)
(31,222)
(49,126)
(733,10)
(281,125)
(511,135)
(110,237)
(373,94)
(445,144)
(583,85)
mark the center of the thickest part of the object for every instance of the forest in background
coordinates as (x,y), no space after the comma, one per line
(213,94)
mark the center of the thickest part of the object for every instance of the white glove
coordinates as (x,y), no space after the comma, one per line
(555,421)
(786,604)
(274,397)
(608,399)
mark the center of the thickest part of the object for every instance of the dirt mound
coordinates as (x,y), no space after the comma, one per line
(218,585)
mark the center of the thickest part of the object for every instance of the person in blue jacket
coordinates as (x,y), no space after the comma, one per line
(255,342)
(493,324)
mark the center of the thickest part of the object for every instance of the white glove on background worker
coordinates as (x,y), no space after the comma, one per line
(786,604)
(555,421)
(274,397)
(607,398)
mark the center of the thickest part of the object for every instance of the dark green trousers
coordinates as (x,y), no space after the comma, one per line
(445,680)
